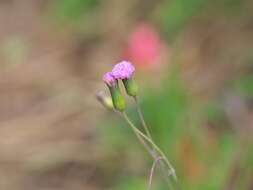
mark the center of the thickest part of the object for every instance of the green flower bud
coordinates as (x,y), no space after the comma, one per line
(130,86)
(105,100)
(117,98)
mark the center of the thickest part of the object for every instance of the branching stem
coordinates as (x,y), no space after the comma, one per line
(136,130)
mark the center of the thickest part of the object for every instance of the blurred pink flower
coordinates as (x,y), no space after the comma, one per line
(144,46)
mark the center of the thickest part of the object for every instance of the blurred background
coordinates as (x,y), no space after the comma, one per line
(194,62)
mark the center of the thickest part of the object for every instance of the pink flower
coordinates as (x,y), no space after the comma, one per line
(109,79)
(123,70)
(144,46)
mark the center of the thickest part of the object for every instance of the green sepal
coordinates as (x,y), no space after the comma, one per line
(117,98)
(130,86)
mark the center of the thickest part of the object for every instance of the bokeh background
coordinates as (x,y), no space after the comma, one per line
(194,66)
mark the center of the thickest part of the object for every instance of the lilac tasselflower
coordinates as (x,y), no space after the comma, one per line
(123,70)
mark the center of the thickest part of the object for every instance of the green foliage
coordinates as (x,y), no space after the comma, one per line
(71,10)
(165,111)
(231,7)
(131,184)
(137,183)
(175,14)
(245,85)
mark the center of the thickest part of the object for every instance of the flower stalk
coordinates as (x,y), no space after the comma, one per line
(136,130)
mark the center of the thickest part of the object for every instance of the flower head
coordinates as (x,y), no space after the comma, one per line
(123,70)
(109,79)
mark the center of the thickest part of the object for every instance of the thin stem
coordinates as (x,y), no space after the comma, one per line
(153,153)
(140,113)
(150,150)
(165,174)
(152,143)
(152,172)
(156,161)
(142,118)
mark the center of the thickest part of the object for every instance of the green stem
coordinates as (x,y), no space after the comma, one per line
(142,118)
(161,164)
(152,143)
(156,161)
(150,151)
(142,141)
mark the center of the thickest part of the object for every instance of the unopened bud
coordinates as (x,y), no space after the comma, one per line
(130,86)
(117,98)
(105,100)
